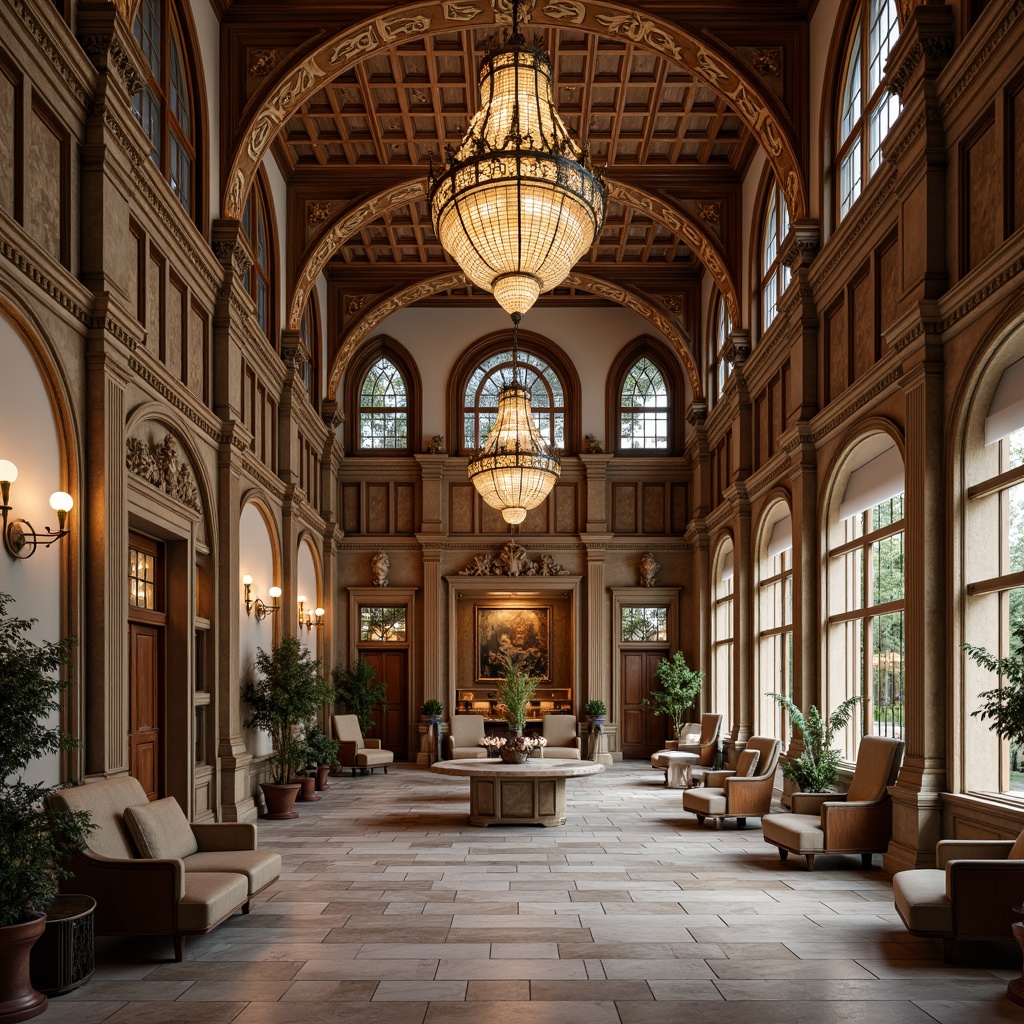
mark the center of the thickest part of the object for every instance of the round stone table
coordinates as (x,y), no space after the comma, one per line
(517,794)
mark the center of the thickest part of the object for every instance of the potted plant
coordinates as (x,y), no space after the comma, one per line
(595,711)
(321,753)
(680,686)
(34,838)
(355,688)
(288,691)
(432,710)
(816,770)
(1004,706)
(515,691)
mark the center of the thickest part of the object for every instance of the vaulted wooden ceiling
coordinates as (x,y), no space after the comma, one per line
(648,122)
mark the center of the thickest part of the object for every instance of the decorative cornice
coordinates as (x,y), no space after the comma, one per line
(106,51)
(863,399)
(933,48)
(43,281)
(233,254)
(52,52)
(171,397)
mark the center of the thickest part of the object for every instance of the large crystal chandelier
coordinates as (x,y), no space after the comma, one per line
(518,203)
(514,471)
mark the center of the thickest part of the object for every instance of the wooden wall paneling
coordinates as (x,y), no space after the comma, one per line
(863,329)
(135,276)
(378,508)
(48,199)
(761,429)
(887,287)
(1014,161)
(154,311)
(196,373)
(775,415)
(680,508)
(566,497)
(624,508)
(654,497)
(176,351)
(350,521)
(788,415)
(461,505)
(981,207)
(12,140)
(837,353)
(405,508)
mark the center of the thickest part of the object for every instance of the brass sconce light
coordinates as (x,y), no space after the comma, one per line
(20,539)
(310,619)
(255,606)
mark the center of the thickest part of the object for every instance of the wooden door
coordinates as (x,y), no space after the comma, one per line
(392,726)
(145,659)
(643,732)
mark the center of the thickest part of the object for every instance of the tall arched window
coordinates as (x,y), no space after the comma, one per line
(774,610)
(720,367)
(383,400)
(644,407)
(309,332)
(480,398)
(722,598)
(993,561)
(774,273)
(259,277)
(165,107)
(866,109)
(865,588)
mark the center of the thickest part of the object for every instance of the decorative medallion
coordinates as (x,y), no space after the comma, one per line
(512,561)
(708,212)
(262,62)
(318,213)
(767,61)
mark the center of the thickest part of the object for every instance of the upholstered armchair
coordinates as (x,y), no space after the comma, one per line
(561,733)
(464,736)
(740,794)
(354,751)
(968,895)
(859,821)
(699,742)
(707,745)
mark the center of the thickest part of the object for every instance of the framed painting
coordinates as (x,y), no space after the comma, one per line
(522,634)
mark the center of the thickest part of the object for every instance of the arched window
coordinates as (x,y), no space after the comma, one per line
(165,107)
(383,400)
(866,109)
(864,588)
(722,597)
(309,332)
(774,273)
(644,408)
(720,367)
(774,610)
(259,277)
(480,398)
(993,560)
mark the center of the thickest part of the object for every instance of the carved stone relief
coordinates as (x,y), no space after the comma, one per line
(512,561)
(159,464)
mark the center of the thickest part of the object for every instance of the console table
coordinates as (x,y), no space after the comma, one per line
(517,794)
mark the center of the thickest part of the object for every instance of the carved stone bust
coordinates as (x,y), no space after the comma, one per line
(648,568)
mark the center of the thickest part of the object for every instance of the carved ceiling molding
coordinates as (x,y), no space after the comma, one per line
(159,464)
(511,560)
(347,222)
(656,315)
(300,78)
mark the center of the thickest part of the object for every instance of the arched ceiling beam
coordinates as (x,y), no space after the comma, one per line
(347,222)
(650,311)
(762,113)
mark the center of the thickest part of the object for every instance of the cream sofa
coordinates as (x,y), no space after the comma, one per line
(151,872)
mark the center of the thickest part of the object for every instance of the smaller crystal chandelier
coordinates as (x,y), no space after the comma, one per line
(514,471)
(518,203)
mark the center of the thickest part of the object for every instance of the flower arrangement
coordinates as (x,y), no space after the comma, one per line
(493,744)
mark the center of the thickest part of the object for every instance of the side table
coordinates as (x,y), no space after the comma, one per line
(63,958)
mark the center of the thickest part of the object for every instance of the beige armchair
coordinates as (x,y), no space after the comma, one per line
(708,743)
(464,736)
(354,751)
(859,821)
(968,895)
(740,794)
(561,733)
(701,741)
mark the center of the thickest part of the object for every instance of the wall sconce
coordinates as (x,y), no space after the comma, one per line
(20,539)
(254,606)
(310,619)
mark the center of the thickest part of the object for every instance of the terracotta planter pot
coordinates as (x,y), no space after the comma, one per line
(323,772)
(280,798)
(307,792)
(18,999)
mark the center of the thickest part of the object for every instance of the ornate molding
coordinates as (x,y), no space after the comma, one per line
(172,398)
(511,560)
(317,213)
(767,61)
(863,399)
(107,51)
(51,51)
(42,280)
(160,465)
(709,213)
(233,254)
(261,62)
(934,48)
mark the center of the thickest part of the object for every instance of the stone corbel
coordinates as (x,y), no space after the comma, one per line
(228,247)
(107,39)
(802,246)
(738,348)
(922,50)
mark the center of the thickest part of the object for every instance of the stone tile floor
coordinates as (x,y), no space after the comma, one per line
(393,910)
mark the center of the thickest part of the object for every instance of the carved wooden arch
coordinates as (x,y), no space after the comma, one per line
(654,314)
(704,58)
(345,224)
(654,350)
(498,341)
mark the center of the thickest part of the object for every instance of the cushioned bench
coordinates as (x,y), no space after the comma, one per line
(151,872)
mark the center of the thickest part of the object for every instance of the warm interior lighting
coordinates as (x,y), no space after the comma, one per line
(514,471)
(20,540)
(518,203)
(257,607)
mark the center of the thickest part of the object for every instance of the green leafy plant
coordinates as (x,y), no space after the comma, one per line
(320,748)
(34,838)
(432,708)
(1003,706)
(595,708)
(288,691)
(516,690)
(680,686)
(355,688)
(816,770)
